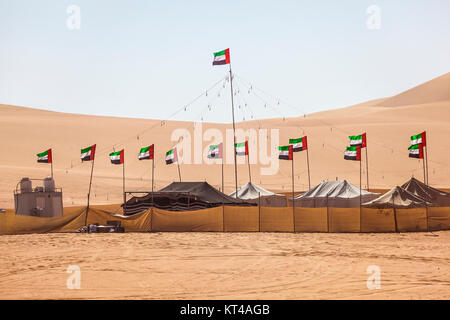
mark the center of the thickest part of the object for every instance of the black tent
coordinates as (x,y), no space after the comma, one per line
(432,195)
(183,196)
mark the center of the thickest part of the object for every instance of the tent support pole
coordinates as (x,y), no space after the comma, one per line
(395,216)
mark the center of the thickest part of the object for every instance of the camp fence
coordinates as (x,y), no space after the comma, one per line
(238,219)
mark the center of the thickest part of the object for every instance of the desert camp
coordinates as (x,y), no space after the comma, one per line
(255,151)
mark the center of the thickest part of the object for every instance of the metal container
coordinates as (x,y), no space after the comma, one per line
(49,184)
(25,185)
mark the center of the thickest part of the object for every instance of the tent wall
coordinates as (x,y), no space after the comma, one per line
(200,220)
(311,219)
(277,219)
(321,202)
(239,219)
(377,220)
(344,219)
(438,218)
(411,219)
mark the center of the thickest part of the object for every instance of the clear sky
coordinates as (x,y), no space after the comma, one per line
(150,58)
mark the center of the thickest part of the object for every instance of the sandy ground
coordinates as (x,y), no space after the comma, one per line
(225,266)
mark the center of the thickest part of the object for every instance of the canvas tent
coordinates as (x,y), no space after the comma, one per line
(337,194)
(256,194)
(436,197)
(182,196)
(397,198)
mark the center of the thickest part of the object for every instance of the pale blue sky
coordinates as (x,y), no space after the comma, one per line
(149,58)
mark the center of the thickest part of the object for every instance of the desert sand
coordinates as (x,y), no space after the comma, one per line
(389,123)
(225,266)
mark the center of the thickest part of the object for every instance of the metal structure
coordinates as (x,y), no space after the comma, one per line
(42,201)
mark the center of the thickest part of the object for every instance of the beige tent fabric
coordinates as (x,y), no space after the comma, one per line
(377,220)
(135,223)
(411,219)
(310,219)
(275,219)
(344,219)
(241,219)
(11,223)
(438,218)
(237,219)
(196,220)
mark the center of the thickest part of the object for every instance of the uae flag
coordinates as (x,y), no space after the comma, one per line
(45,157)
(416,151)
(299,144)
(420,138)
(116,157)
(171,156)
(358,141)
(353,153)
(242,148)
(285,152)
(147,153)
(215,151)
(221,57)
(88,154)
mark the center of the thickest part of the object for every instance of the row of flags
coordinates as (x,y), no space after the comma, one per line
(353,152)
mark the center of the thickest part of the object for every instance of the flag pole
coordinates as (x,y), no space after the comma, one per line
(51,163)
(360,190)
(222,177)
(123,185)
(153,174)
(426,163)
(424,175)
(248,161)
(234,133)
(179,173)
(367,165)
(89,192)
(307,162)
(293,199)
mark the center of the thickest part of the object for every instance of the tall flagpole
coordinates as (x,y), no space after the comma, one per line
(123,184)
(222,177)
(52,166)
(89,192)
(153,173)
(367,165)
(293,193)
(426,163)
(360,190)
(179,173)
(248,161)
(234,133)
(307,162)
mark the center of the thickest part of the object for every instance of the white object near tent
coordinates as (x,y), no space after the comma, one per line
(252,193)
(337,194)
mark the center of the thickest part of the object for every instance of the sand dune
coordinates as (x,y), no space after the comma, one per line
(388,123)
